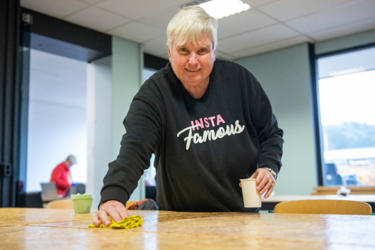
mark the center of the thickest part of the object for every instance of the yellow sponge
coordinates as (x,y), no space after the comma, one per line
(127,222)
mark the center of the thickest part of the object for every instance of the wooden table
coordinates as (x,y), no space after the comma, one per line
(271,202)
(25,228)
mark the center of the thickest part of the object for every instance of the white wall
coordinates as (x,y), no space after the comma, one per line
(57,117)
(285,77)
(99,95)
(112,83)
(127,67)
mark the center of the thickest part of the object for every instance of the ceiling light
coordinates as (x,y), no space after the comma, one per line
(221,8)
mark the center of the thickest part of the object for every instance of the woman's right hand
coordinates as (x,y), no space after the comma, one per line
(112,208)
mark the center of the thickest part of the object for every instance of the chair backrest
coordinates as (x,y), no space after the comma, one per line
(323,207)
(60,204)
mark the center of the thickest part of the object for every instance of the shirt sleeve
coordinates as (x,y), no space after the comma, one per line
(143,125)
(270,136)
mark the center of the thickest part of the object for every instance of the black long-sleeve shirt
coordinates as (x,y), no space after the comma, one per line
(203,147)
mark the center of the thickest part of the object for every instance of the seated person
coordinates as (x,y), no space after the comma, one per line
(61,176)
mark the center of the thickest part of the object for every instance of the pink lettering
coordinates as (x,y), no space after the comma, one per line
(200,123)
(206,122)
(192,125)
(219,120)
(212,120)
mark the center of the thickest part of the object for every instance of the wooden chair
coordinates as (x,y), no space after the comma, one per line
(323,207)
(60,204)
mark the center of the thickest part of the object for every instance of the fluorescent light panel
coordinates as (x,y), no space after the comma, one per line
(224,8)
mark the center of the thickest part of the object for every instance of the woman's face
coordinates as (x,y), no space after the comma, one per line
(192,63)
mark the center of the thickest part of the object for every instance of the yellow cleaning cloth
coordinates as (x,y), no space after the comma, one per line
(127,222)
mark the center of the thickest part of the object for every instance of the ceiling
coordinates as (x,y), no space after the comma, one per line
(268,25)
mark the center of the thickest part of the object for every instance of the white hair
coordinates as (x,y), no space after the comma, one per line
(72,159)
(189,24)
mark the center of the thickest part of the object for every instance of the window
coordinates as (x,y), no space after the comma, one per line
(346,97)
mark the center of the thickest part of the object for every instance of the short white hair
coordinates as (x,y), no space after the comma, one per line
(189,24)
(72,159)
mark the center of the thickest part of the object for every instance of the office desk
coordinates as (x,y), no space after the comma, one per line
(271,202)
(22,228)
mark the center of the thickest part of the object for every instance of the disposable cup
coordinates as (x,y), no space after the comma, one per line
(251,196)
(81,203)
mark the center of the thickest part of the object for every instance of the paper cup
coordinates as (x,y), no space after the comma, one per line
(251,196)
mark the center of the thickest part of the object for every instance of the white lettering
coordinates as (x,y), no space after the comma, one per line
(210,134)
(189,137)
(220,132)
(230,130)
(239,128)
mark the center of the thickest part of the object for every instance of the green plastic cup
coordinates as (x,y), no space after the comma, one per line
(81,203)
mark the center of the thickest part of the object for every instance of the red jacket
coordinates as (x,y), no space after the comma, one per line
(61,176)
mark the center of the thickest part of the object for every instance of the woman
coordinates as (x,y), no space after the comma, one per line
(208,122)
